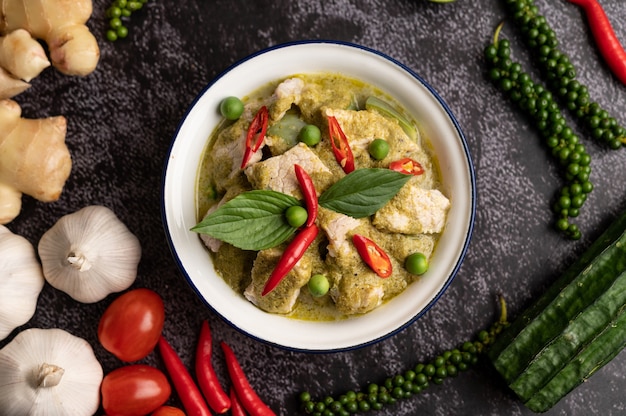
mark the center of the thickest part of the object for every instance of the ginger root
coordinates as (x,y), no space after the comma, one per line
(21,55)
(11,86)
(21,59)
(34,159)
(61,24)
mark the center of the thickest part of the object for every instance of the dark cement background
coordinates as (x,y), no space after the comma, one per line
(123,116)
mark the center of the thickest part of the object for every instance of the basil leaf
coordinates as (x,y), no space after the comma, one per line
(253,220)
(363,192)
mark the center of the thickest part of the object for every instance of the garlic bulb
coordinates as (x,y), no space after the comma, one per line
(49,372)
(89,254)
(21,281)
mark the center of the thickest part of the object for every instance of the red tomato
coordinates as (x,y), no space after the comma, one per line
(130,327)
(134,390)
(168,411)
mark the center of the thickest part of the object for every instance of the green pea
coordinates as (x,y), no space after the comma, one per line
(379,149)
(231,108)
(296,215)
(310,135)
(416,263)
(318,285)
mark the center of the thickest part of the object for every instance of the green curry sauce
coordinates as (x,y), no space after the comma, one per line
(220,179)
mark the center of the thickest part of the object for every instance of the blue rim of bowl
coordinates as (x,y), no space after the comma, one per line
(471,173)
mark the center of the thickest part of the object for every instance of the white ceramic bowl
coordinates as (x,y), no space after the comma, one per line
(411,91)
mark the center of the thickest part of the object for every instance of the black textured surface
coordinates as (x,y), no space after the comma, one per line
(122,117)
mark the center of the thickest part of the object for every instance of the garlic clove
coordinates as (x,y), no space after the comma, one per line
(89,254)
(49,372)
(21,281)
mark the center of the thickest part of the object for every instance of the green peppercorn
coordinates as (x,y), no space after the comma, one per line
(402,386)
(559,71)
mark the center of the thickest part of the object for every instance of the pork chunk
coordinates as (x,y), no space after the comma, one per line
(283,298)
(286,94)
(228,151)
(358,294)
(337,228)
(413,210)
(362,127)
(277,173)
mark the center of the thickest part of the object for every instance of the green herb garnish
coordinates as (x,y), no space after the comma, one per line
(253,220)
(363,192)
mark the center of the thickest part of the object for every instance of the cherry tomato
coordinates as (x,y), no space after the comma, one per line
(133,390)
(168,411)
(130,327)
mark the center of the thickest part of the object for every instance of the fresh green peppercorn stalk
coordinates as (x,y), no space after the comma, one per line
(117,13)
(560,74)
(409,383)
(539,105)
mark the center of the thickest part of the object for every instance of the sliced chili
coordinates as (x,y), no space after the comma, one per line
(407,166)
(187,390)
(244,391)
(310,194)
(256,134)
(605,38)
(294,252)
(208,382)
(341,147)
(374,256)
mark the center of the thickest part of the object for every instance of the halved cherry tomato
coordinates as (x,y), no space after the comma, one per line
(407,166)
(130,327)
(168,411)
(373,255)
(135,389)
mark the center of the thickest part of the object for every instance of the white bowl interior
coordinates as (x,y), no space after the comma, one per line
(179,212)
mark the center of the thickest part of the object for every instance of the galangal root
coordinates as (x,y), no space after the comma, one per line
(34,159)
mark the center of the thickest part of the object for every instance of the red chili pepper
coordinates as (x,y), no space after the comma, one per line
(256,134)
(187,390)
(209,384)
(294,252)
(605,38)
(236,408)
(309,192)
(373,255)
(407,166)
(341,147)
(245,393)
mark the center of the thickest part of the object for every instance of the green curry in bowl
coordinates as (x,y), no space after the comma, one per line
(409,218)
